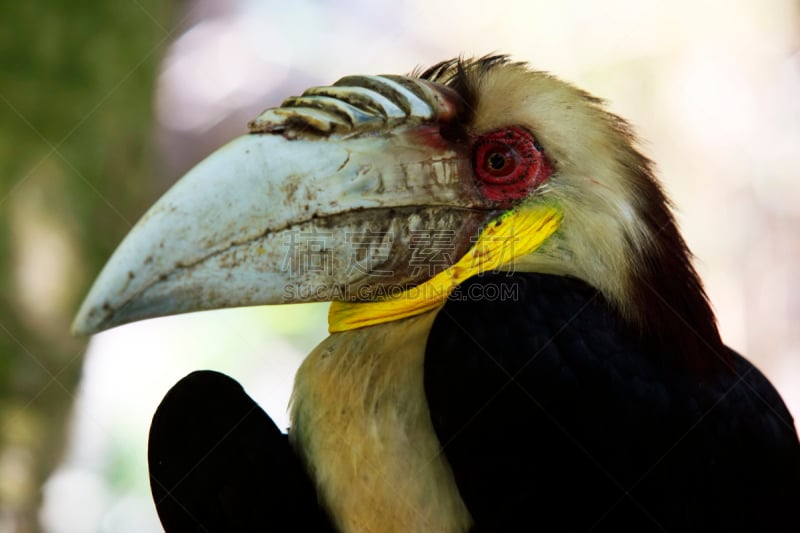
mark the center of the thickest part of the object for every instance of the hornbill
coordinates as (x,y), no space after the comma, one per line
(518,339)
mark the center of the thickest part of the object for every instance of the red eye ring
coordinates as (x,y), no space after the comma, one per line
(508,164)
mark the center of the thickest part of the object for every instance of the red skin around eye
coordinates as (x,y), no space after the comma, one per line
(508,165)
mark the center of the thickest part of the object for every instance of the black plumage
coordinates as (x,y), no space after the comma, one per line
(218,463)
(556,415)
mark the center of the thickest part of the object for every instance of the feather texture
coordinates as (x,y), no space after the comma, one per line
(556,415)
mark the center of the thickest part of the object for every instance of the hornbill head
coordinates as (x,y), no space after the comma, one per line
(340,194)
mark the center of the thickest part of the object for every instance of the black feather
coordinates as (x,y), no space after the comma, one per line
(556,415)
(218,463)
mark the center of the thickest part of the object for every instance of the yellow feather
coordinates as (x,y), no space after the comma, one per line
(361,421)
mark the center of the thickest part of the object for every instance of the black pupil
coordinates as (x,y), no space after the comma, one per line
(497,161)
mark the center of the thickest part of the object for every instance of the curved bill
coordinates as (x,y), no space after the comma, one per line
(271,219)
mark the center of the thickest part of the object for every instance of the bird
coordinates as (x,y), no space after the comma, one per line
(518,338)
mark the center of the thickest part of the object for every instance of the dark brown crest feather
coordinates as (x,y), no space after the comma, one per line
(673,304)
(673,308)
(461,75)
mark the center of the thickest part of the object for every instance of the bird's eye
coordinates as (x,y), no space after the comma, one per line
(508,164)
(498,160)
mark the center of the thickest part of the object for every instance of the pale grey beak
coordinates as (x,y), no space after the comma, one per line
(322,202)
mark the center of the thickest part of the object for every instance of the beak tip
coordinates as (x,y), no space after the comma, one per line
(88,321)
(79,329)
(97,313)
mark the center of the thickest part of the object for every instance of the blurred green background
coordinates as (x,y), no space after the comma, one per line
(104,104)
(76,166)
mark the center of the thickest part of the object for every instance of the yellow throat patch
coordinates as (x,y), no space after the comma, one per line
(513,234)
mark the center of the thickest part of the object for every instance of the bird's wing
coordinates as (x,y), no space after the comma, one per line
(551,412)
(219,463)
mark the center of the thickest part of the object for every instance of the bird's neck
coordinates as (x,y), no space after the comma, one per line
(360,421)
(672,307)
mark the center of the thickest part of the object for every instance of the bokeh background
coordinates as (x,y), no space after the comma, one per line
(104,104)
